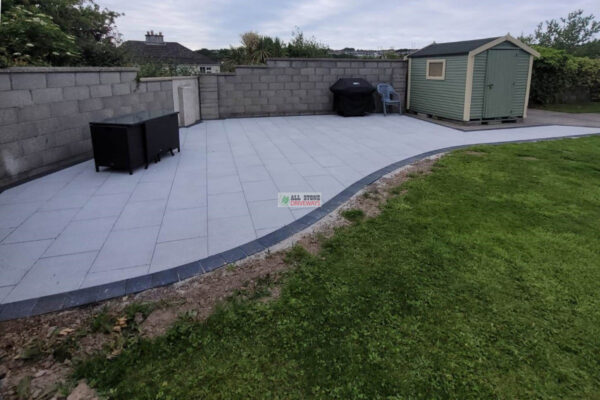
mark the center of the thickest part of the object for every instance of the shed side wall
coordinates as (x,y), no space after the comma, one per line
(443,98)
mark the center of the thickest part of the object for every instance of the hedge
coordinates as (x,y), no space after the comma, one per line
(557,73)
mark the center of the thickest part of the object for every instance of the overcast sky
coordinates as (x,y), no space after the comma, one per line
(374,24)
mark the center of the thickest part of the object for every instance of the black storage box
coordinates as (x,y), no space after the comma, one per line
(352,97)
(133,140)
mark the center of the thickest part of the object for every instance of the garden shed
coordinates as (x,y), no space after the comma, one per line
(472,80)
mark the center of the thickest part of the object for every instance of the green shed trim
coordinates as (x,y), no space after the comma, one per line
(492,42)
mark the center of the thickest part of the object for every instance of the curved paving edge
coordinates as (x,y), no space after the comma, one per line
(80,297)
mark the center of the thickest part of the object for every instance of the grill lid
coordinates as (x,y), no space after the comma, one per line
(352,86)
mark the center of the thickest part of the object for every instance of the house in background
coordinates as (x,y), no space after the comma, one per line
(154,50)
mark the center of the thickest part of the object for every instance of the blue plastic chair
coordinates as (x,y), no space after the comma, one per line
(387,93)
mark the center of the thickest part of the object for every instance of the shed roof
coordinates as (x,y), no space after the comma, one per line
(451,48)
(170,52)
(470,47)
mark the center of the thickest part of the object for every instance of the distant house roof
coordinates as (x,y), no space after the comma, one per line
(469,47)
(166,52)
(451,48)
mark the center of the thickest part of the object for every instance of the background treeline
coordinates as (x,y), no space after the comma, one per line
(255,49)
(80,33)
(569,67)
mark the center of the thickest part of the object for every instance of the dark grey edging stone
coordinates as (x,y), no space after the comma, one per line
(79,297)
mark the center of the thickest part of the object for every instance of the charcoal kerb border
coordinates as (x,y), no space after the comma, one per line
(95,294)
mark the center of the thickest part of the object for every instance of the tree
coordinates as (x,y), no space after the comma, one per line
(390,55)
(255,49)
(92,28)
(566,33)
(30,37)
(589,49)
(303,47)
(236,56)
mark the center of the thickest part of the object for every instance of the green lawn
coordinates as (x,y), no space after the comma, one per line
(571,108)
(482,281)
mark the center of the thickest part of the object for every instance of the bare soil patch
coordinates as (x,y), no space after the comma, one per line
(475,153)
(36,353)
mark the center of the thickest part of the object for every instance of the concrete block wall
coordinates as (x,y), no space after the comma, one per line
(291,86)
(186,99)
(209,95)
(45,113)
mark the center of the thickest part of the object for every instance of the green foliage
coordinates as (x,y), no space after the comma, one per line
(59,32)
(590,49)
(143,308)
(93,28)
(33,351)
(103,322)
(556,72)
(30,37)
(24,388)
(391,55)
(301,46)
(63,350)
(353,215)
(481,282)
(156,69)
(297,255)
(566,33)
(255,49)
(575,34)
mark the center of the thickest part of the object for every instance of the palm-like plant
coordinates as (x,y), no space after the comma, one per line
(236,56)
(260,53)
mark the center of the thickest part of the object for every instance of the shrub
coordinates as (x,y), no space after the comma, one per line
(158,69)
(353,215)
(30,37)
(556,73)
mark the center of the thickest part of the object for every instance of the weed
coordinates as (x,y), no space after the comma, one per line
(296,255)
(230,267)
(64,349)
(143,308)
(103,322)
(24,388)
(354,215)
(33,351)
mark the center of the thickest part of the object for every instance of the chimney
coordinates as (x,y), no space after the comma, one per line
(154,38)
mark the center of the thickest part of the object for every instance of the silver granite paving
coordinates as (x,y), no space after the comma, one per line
(77,228)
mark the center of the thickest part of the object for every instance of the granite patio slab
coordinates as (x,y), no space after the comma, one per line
(215,202)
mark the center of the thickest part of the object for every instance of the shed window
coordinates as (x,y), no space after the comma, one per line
(436,69)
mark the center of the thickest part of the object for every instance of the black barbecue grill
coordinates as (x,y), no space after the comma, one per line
(352,97)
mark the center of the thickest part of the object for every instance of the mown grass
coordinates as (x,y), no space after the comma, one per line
(481,281)
(591,107)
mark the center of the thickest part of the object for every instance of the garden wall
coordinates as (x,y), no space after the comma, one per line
(290,86)
(45,113)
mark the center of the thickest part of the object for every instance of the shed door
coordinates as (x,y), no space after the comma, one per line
(500,82)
